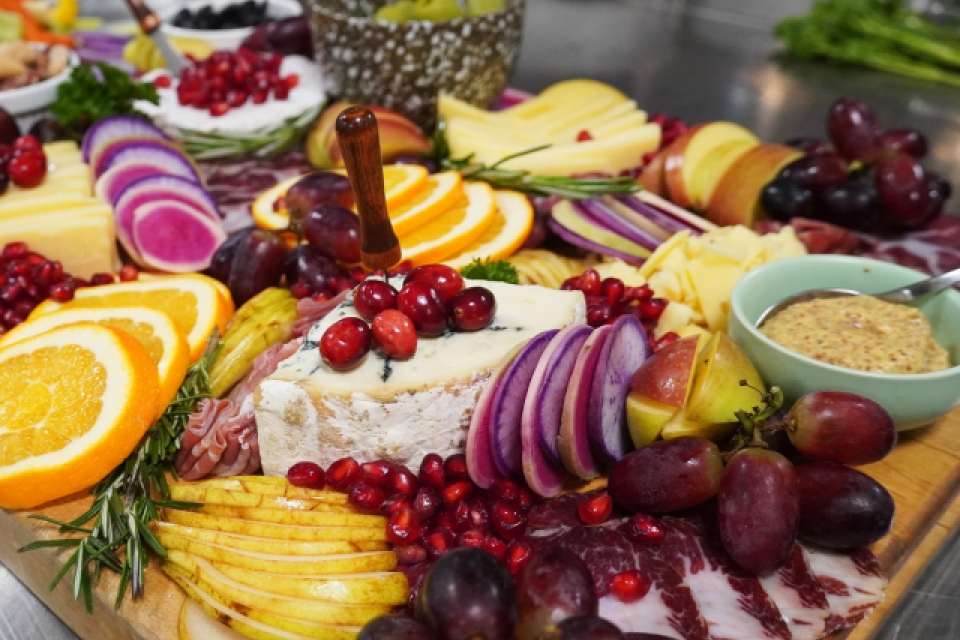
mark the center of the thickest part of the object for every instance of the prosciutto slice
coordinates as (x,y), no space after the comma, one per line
(309,311)
(799,596)
(853,583)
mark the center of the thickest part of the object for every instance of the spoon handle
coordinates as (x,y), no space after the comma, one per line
(925,287)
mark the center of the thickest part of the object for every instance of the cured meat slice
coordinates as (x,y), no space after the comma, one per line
(732,601)
(799,596)
(852,581)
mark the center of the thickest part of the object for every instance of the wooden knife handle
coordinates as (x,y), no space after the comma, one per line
(148,20)
(360,145)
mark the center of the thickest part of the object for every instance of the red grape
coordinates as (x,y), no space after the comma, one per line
(554,585)
(853,204)
(784,200)
(908,141)
(855,130)
(344,344)
(815,171)
(902,185)
(841,427)
(334,231)
(423,304)
(394,334)
(370,297)
(257,264)
(472,309)
(307,266)
(447,280)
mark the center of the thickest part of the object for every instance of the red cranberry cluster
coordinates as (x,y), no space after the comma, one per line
(29,278)
(229,79)
(431,300)
(23,163)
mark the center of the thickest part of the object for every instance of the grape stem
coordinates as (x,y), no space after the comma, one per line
(753,424)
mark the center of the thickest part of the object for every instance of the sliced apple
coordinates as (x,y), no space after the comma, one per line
(680,425)
(273,545)
(646,418)
(736,198)
(714,165)
(273,530)
(692,151)
(574,90)
(213,495)
(666,375)
(718,391)
(652,178)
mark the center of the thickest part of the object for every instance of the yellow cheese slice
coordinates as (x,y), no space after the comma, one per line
(82,239)
(713,283)
(16,207)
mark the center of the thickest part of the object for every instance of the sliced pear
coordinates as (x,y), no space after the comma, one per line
(195,624)
(213,495)
(272,486)
(291,516)
(271,545)
(717,392)
(273,530)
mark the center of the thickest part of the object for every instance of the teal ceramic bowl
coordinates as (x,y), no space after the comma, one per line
(914,400)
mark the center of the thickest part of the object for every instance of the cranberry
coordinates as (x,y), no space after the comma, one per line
(495,547)
(426,503)
(306,474)
(401,480)
(596,509)
(472,538)
(366,497)
(27,169)
(27,143)
(375,473)
(455,468)
(447,280)
(629,586)
(100,279)
(432,473)
(373,296)
(395,503)
(423,304)
(438,541)
(344,344)
(472,309)
(403,527)
(509,520)
(612,289)
(342,473)
(395,334)
(505,490)
(457,491)
(128,273)
(411,554)
(644,528)
(517,556)
(162,82)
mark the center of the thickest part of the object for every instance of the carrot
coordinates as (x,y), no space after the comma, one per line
(32,31)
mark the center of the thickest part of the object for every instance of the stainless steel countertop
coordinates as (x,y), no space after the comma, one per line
(702,60)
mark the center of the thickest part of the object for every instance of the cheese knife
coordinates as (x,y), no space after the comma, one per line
(150,24)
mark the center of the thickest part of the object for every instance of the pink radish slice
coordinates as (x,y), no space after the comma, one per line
(544,402)
(115,127)
(480,463)
(573,443)
(100,155)
(167,158)
(506,406)
(164,187)
(175,237)
(621,355)
(116,179)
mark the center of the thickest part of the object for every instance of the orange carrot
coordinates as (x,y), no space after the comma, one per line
(32,30)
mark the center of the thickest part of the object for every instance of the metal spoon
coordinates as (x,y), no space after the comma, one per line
(899,295)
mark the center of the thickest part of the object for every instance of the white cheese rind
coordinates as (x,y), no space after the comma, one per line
(306,411)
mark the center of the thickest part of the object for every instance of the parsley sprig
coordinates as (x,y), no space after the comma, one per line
(494,270)
(127,501)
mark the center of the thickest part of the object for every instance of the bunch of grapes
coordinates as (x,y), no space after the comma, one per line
(866,178)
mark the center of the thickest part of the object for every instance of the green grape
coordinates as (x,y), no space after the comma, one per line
(397,12)
(436,10)
(481,7)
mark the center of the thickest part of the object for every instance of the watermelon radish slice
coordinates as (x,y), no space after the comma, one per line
(164,187)
(175,237)
(169,159)
(100,155)
(621,355)
(115,180)
(480,463)
(506,406)
(116,127)
(573,443)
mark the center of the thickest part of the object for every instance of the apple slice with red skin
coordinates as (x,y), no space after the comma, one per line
(736,198)
(691,152)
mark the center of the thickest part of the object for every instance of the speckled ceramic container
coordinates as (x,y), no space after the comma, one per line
(404,66)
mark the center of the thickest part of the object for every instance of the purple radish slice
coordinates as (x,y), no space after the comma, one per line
(115,180)
(506,406)
(543,477)
(479,452)
(115,127)
(175,237)
(544,403)
(100,155)
(165,187)
(168,159)
(621,356)
(573,443)
(579,241)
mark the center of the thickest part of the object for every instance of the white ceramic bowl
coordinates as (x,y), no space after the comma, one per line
(221,39)
(29,104)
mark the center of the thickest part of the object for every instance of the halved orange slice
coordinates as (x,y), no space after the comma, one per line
(454,229)
(506,234)
(74,402)
(441,193)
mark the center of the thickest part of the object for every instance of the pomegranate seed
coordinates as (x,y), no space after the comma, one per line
(402,480)
(62,292)
(455,467)
(48,273)
(668,338)
(99,279)
(375,473)
(306,474)
(508,520)
(456,492)
(432,473)
(516,557)
(11,318)
(570,284)
(11,293)
(219,108)
(460,516)
(281,92)
(18,267)
(589,283)
(426,503)
(291,80)
(525,498)
(648,157)
(35,259)
(629,586)
(438,541)
(403,527)
(653,308)
(479,516)
(13,250)
(300,290)
(495,547)
(612,289)
(162,82)
(365,497)
(411,554)
(395,503)
(596,509)
(342,473)
(505,490)
(584,136)
(472,538)
(644,528)
(236,98)
(643,292)
(445,520)
(24,307)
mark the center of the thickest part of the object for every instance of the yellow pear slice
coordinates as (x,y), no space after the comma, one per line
(272,545)
(292,516)
(213,495)
(277,531)
(272,486)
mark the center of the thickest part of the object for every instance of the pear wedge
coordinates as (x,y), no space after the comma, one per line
(195,624)
(226,497)
(272,545)
(307,533)
(272,486)
(292,516)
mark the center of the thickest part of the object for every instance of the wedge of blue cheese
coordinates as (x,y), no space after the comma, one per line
(397,410)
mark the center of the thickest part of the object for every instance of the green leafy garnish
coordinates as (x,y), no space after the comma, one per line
(495,270)
(98,91)
(127,501)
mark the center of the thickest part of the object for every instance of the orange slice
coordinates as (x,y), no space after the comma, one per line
(155,330)
(506,234)
(442,192)
(74,402)
(453,230)
(401,182)
(225,295)
(192,301)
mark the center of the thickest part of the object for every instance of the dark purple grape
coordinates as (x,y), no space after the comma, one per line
(9,130)
(853,204)
(815,171)
(222,261)
(428,163)
(334,231)
(841,507)
(314,189)
(588,628)
(423,304)
(472,309)
(290,36)
(307,265)
(468,594)
(784,200)
(758,509)
(942,185)
(665,476)
(811,145)
(779,441)
(855,130)
(554,585)
(902,185)
(841,427)
(908,141)
(257,264)
(395,627)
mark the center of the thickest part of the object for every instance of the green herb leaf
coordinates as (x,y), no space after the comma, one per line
(497,271)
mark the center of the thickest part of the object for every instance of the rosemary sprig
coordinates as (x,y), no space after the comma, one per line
(118,536)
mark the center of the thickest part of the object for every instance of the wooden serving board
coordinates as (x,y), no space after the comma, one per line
(922,474)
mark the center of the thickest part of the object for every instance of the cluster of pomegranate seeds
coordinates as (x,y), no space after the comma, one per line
(230,79)
(23,163)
